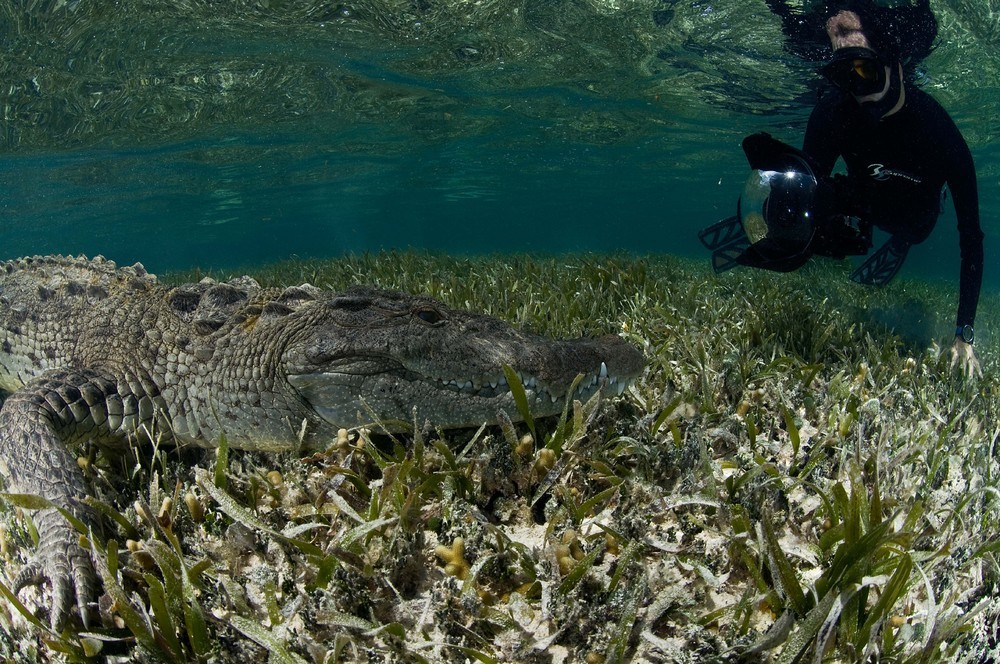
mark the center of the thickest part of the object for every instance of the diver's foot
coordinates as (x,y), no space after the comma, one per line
(883,265)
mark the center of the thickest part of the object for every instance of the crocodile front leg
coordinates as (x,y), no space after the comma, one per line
(38,423)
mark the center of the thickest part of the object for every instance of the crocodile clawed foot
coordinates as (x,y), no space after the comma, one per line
(68,567)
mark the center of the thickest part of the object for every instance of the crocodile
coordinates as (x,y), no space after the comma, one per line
(93,352)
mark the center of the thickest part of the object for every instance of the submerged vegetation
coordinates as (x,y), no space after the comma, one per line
(798,477)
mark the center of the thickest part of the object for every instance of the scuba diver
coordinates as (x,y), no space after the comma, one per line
(899,146)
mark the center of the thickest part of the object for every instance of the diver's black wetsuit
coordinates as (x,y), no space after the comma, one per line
(897,167)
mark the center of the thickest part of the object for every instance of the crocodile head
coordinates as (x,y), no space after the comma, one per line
(370,354)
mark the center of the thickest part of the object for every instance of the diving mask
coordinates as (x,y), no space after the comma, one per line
(855,70)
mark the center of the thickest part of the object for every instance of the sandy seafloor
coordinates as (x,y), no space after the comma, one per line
(794,442)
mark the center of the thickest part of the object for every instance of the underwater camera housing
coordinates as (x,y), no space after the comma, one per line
(776,216)
(786,215)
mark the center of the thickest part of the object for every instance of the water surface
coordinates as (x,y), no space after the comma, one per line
(225,133)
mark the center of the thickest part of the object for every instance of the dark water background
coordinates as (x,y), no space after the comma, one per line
(223,133)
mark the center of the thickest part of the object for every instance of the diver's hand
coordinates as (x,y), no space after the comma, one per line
(964,357)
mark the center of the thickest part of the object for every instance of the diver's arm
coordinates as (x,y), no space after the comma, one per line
(970,240)
(965,194)
(823,139)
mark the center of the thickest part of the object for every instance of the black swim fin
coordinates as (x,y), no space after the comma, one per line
(884,264)
(727,240)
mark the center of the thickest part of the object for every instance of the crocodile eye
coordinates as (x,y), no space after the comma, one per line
(430,316)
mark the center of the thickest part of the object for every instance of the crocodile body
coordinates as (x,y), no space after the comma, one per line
(93,352)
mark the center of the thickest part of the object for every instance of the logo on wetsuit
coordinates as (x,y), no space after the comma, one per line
(880,173)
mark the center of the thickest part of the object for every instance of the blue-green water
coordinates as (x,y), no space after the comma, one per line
(219,134)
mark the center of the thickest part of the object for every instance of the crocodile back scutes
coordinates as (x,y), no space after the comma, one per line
(43,278)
